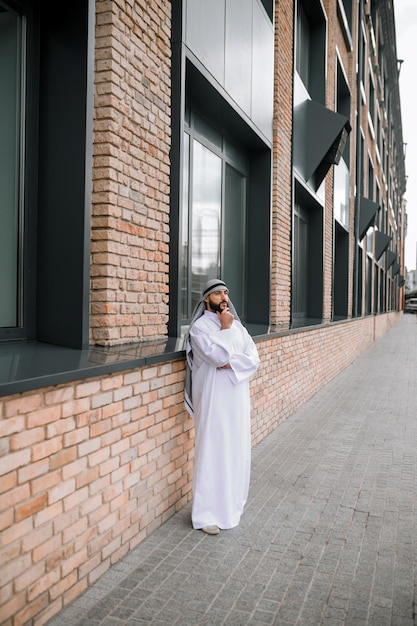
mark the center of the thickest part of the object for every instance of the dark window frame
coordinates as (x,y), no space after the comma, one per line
(193,87)
(312,211)
(230,156)
(57,184)
(311,33)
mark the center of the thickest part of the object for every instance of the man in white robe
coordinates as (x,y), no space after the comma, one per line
(222,357)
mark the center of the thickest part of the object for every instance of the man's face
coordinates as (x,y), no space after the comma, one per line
(217,301)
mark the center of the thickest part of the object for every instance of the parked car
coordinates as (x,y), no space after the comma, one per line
(411,305)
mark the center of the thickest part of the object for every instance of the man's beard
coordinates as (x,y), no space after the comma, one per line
(218,306)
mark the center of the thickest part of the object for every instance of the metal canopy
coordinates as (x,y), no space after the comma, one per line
(395,269)
(367,213)
(381,244)
(320,138)
(391,257)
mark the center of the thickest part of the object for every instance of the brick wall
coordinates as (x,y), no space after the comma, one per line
(131,144)
(89,469)
(282,167)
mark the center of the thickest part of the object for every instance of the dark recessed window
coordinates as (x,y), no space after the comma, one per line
(12,151)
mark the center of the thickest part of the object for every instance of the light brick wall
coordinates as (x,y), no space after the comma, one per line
(89,469)
(282,168)
(131,144)
(295,365)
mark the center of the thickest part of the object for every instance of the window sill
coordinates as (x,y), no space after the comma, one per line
(29,366)
(35,365)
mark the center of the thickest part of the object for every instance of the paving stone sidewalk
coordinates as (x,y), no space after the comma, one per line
(329,533)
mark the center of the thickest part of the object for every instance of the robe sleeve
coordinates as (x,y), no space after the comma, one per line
(244,363)
(220,347)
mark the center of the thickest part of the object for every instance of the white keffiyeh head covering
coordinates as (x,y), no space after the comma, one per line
(211,286)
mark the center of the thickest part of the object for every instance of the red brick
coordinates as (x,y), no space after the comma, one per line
(70,564)
(33,470)
(75,407)
(59,590)
(63,458)
(12,608)
(14,460)
(61,491)
(12,425)
(46,448)
(48,514)
(13,496)
(46,482)
(43,416)
(76,436)
(31,507)
(8,481)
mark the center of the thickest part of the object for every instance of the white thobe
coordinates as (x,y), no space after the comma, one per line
(221,402)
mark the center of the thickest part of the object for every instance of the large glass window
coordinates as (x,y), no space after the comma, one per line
(307,276)
(11,152)
(341,199)
(213,214)
(205,217)
(300,273)
(344,12)
(310,48)
(44,189)
(341,171)
(303,46)
(341,193)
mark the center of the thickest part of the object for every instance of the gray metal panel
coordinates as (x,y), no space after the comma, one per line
(204,34)
(382,242)
(315,130)
(367,213)
(391,257)
(262,71)
(65,123)
(238,65)
(395,269)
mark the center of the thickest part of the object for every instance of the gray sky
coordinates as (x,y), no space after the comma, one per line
(406,27)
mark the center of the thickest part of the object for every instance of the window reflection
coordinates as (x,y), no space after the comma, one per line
(213,217)
(341,193)
(206,218)
(10,113)
(184,268)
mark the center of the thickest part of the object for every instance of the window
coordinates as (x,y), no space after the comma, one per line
(371,104)
(344,11)
(341,171)
(44,225)
(340,273)
(12,47)
(310,48)
(371,178)
(300,282)
(307,280)
(303,46)
(221,157)
(341,198)
(213,215)
(362,60)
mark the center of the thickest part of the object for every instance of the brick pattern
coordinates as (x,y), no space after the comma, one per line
(88,470)
(131,143)
(295,365)
(282,169)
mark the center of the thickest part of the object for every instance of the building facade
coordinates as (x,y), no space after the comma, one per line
(147,147)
